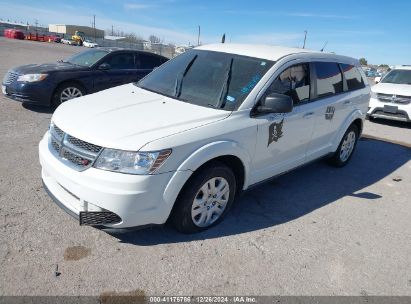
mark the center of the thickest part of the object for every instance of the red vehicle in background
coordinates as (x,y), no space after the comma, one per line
(43,37)
(13,34)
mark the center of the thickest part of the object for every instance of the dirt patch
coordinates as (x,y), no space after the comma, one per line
(112,297)
(76,253)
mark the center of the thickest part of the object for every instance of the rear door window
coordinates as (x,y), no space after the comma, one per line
(353,77)
(147,61)
(329,79)
(122,61)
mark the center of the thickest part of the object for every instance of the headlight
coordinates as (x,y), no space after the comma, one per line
(31,77)
(373,95)
(131,162)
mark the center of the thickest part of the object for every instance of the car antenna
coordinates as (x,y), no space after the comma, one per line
(322,49)
(223,39)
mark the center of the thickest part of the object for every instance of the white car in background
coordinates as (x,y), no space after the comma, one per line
(183,142)
(67,41)
(89,44)
(391,97)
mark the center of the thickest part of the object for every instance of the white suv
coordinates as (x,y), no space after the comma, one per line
(185,140)
(391,97)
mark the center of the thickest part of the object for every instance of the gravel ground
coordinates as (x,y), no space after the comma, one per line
(314,231)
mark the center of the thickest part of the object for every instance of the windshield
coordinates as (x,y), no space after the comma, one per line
(398,76)
(207,78)
(87,58)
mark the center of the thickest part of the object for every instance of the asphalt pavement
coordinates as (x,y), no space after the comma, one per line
(315,231)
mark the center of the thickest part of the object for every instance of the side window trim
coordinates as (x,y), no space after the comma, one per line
(345,85)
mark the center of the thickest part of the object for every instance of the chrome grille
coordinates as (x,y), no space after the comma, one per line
(399,99)
(83,144)
(55,145)
(75,159)
(76,153)
(10,77)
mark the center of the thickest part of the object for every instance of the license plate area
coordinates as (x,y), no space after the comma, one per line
(390,109)
(3,89)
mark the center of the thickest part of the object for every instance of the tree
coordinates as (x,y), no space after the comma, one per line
(154,39)
(363,61)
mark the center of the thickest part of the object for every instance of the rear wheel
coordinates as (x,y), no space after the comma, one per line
(346,147)
(205,199)
(66,92)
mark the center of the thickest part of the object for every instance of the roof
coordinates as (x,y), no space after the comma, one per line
(402,67)
(114,37)
(268,52)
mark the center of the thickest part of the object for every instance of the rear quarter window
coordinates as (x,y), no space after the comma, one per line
(353,77)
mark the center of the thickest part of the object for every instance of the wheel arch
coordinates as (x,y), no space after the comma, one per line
(227,152)
(356,118)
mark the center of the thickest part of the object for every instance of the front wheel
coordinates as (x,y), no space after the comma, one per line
(346,148)
(66,92)
(205,199)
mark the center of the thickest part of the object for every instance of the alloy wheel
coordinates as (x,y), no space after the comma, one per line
(70,93)
(347,146)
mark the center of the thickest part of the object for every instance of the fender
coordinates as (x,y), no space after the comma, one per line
(355,114)
(200,157)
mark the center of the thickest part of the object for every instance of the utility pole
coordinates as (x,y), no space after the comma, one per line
(36,22)
(198,38)
(94,24)
(112,30)
(305,38)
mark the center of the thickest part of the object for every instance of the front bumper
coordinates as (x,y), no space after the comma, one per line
(35,93)
(377,110)
(138,200)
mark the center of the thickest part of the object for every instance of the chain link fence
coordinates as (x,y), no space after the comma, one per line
(160,49)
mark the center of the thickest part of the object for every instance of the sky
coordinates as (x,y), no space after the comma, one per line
(379,31)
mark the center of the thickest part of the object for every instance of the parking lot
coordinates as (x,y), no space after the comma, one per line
(315,231)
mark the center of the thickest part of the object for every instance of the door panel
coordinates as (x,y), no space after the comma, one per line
(333,107)
(122,70)
(282,140)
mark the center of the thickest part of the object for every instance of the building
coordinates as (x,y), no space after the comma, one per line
(69,30)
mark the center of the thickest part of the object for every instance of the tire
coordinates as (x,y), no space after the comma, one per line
(346,148)
(197,207)
(63,92)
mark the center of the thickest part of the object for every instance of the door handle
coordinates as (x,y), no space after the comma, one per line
(347,102)
(308,114)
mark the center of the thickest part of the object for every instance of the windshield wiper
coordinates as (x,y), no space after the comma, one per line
(179,80)
(226,86)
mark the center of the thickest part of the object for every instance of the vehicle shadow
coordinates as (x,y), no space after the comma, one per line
(38,109)
(292,195)
(392,123)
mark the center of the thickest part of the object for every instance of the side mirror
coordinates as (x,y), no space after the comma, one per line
(377,79)
(274,103)
(104,66)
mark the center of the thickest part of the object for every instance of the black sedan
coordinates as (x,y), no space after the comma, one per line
(84,73)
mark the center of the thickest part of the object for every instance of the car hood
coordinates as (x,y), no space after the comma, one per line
(392,88)
(47,67)
(127,117)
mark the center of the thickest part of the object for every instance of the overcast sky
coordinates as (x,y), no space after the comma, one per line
(376,30)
